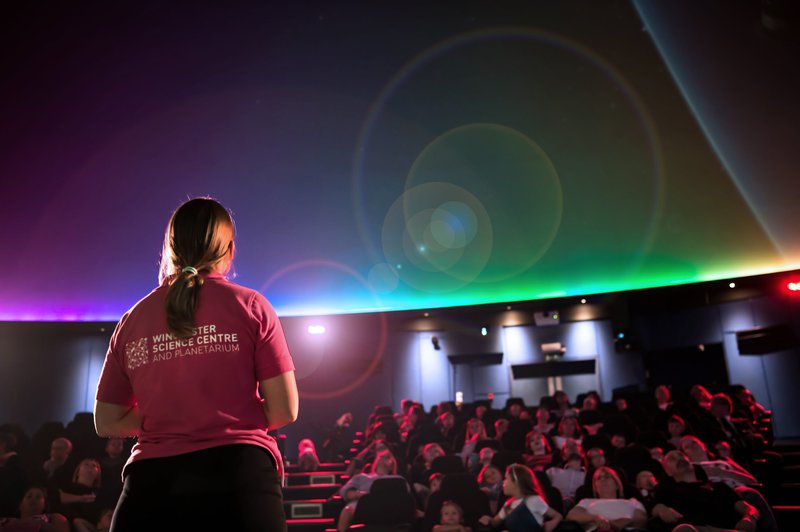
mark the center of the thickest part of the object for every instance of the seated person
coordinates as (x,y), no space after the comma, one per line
(82,498)
(540,453)
(607,510)
(697,502)
(452,519)
(358,486)
(34,516)
(526,508)
(307,458)
(569,478)
(568,429)
(490,480)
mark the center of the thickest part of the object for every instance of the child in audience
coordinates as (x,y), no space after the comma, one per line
(526,507)
(452,519)
(34,515)
(490,480)
(307,458)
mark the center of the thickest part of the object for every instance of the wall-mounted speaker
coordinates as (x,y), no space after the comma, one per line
(766,340)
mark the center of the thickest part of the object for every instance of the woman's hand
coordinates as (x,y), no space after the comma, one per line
(89,497)
(485,520)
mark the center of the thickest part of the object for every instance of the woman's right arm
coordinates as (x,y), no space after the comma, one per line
(279,400)
(582,516)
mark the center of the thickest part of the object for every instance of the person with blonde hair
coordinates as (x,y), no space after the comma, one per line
(198,371)
(608,510)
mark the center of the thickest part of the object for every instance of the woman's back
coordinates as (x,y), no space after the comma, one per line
(197,392)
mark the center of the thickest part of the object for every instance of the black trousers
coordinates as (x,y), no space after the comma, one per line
(233,487)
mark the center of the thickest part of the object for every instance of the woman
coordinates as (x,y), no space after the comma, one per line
(198,370)
(568,428)
(608,510)
(358,486)
(526,509)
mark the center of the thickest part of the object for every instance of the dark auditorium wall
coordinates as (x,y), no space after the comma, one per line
(49,371)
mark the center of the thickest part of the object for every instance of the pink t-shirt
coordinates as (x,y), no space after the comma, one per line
(200,392)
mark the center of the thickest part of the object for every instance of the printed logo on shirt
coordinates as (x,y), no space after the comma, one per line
(205,339)
(136,353)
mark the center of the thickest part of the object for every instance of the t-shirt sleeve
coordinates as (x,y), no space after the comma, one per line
(114,385)
(637,505)
(584,503)
(536,505)
(272,355)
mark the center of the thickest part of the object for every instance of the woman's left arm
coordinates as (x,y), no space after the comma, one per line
(112,420)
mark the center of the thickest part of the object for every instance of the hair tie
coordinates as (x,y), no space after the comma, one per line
(190,269)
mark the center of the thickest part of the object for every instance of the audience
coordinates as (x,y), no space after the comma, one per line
(648,466)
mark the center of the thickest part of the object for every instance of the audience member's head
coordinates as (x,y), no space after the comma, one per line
(670,460)
(114,447)
(435,481)
(619,440)
(500,427)
(662,394)
(446,420)
(431,452)
(569,427)
(606,484)
(538,444)
(700,396)
(571,447)
(87,473)
(486,454)
(520,482)
(589,403)
(723,449)
(542,415)
(490,474)
(476,429)
(451,514)
(621,403)
(34,502)
(694,449)
(60,450)
(384,464)
(676,426)
(721,406)
(562,399)
(657,453)
(646,482)
(596,457)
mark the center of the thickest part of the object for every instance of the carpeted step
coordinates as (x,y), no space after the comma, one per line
(304,492)
(310,525)
(316,477)
(313,508)
(325,466)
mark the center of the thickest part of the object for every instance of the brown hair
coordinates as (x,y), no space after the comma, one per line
(524,478)
(199,235)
